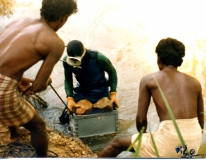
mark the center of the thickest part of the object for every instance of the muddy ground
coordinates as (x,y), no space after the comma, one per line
(60,146)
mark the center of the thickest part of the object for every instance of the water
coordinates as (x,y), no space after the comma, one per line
(126,125)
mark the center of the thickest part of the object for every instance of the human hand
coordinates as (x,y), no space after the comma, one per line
(71,104)
(114,99)
(49,81)
(25,86)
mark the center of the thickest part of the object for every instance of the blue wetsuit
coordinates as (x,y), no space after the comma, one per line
(92,83)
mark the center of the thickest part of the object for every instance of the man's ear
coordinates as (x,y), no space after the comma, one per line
(159,60)
(180,62)
(64,19)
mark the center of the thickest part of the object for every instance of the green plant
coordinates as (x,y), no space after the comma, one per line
(154,144)
(6,7)
(170,113)
(139,138)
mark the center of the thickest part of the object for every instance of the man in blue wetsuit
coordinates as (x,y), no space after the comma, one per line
(91,92)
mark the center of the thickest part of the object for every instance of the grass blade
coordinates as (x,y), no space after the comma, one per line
(154,144)
(137,151)
(139,138)
(170,113)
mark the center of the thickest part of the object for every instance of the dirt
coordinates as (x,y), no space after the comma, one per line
(60,146)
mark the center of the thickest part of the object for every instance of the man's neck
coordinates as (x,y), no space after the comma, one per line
(170,67)
(49,24)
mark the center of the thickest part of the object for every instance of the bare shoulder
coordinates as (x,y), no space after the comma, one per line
(190,80)
(45,39)
(148,79)
(49,42)
(21,22)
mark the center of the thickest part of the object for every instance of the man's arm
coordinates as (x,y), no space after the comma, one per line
(68,80)
(68,85)
(105,64)
(143,104)
(200,109)
(51,52)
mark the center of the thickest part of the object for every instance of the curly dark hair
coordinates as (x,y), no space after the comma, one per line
(170,51)
(52,10)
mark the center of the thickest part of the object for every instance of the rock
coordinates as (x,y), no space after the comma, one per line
(104,103)
(85,107)
(59,144)
(126,154)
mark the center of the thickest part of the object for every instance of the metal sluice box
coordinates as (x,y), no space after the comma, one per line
(95,124)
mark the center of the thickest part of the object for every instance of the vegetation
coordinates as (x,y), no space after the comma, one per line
(139,138)
(6,7)
(171,114)
(137,151)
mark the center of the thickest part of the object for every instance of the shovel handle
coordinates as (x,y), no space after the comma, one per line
(58,95)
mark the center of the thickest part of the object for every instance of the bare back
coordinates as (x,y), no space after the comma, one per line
(23,43)
(182,92)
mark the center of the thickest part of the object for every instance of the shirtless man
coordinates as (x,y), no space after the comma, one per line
(23,43)
(184,95)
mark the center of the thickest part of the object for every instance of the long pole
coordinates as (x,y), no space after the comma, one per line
(58,95)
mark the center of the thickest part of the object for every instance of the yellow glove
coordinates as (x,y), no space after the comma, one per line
(71,104)
(114,99)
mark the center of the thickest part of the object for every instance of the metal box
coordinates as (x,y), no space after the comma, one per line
(95,124)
